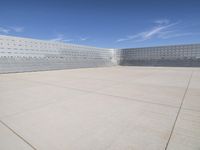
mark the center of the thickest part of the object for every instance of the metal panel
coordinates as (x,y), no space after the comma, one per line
(23,54)
(175,55)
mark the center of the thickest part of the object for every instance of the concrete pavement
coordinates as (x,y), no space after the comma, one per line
(111,108)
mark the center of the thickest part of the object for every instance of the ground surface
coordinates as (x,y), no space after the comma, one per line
(114,108)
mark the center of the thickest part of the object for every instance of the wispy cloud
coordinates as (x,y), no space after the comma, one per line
(84,38)
(4,30)
(174,35)
(61,38)
(10,30)
(162,21)
(17,29)
(157,30)
(162,29)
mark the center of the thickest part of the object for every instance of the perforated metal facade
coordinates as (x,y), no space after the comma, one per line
(23,54)
(175,55)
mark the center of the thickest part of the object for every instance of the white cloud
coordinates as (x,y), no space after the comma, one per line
(157,30)
(68,40)
(17,29)
(4,30)
(128,38)
(84,38)
(162,29)
(8,30)
(162,21)
(167,36)
(121,40)
(60,38)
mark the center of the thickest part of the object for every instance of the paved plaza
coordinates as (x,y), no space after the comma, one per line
(111,108)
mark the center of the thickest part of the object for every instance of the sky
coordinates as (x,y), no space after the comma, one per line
(103,23)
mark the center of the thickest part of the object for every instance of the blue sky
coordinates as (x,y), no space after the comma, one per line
(103,23)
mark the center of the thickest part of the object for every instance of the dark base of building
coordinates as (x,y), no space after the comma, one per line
(163,63)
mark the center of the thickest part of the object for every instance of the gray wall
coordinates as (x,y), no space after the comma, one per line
(175,55)
(23,54)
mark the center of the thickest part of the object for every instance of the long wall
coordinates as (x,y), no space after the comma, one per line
(175,55)
(23,54)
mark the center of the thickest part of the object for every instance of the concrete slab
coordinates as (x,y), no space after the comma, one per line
(186,135)
(101,108)
(148,93)
(192,99)
(10,141)
(13,102)
(96,122)
(195,82)
(12,84)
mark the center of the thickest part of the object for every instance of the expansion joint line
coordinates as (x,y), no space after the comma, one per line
(179,110)
(17,135)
